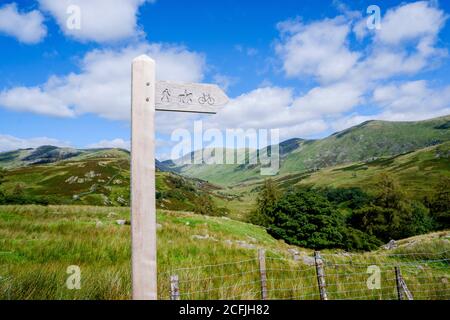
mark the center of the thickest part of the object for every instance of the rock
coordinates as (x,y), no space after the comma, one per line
(245,245)
(309,261)
(121,222)
(444,280)
(295,253)
(98,224)
(200,237)
(390,245)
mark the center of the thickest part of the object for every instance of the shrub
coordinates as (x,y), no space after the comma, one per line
(204,205)
(305,218)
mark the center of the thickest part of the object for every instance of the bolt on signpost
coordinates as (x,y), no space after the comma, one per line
(148,96)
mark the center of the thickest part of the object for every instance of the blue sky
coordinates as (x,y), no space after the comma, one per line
(307,67)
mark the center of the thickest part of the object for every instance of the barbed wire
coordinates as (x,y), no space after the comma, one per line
(296,279)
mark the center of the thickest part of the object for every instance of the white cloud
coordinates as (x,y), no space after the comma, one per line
(413,96)
(34,100)
(260,108)
(410,22)
(101,20)
(327,100)
(8,142)
(103,84)
(115,143)
(26,27)
(405,46)
(319,49)
(269,108)
(405,101)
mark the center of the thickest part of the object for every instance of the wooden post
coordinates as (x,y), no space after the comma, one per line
(143,209)
(320,276)
(262,272)
(174,288)
(399,286)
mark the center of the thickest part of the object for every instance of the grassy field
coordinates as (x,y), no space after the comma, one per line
(215,258)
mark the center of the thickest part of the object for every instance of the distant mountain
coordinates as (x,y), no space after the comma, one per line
(366,141)
(90,177)
(52,154)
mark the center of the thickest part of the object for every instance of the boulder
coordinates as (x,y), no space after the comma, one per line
(121,222)
(390,245)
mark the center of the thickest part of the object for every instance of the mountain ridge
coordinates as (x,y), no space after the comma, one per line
(363,142)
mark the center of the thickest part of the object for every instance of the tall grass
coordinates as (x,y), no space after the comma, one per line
(215,258)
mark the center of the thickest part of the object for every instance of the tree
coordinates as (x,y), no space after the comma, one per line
(389,192)
(2,180)
(391,215)
(306,218)
(266,200)
(440,204)
(2,175)
(205,205)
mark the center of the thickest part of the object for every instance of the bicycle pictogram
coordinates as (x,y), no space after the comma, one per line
(206,98)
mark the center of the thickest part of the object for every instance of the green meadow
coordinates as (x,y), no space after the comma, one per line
(214,257)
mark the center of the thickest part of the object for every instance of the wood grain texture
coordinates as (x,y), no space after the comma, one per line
(262,273)
(189,97)
(143,208)
(320,273)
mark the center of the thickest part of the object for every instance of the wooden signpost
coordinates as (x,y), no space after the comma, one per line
(148,96)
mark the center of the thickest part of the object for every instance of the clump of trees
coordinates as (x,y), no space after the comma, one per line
(349,218)
(205,205)
(2,179)
(391,215)
(439,204)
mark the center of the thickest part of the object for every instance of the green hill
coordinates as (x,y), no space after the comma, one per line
(367,141)
(89,177)
(419,172)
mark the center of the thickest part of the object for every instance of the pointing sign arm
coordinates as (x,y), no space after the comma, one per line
(189,97)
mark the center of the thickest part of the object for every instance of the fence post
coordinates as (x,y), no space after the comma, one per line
(174,289)
(262,272)
(401,286)
(320,276)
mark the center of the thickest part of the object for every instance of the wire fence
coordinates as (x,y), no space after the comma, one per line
(418,276)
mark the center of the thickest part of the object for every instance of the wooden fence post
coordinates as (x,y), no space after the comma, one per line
(320,276)
(262,272)
(174,288)
(143,208)
(401,286)
(397,281)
